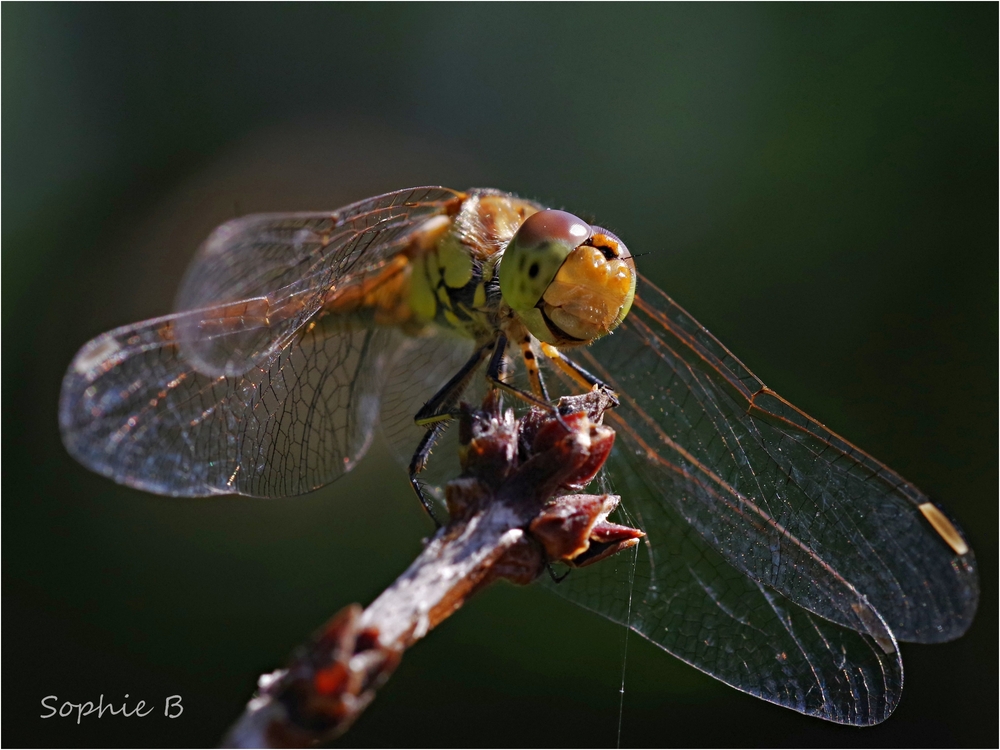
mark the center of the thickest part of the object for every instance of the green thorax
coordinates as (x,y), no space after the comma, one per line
(454,283)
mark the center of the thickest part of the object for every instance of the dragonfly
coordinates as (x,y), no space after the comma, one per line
(778,557)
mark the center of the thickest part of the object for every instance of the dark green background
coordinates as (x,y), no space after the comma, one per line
(817,184)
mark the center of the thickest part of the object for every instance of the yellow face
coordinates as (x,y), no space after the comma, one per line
(569,282)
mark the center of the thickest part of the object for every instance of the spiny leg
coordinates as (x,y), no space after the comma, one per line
(439,409)
(494,373)
(552,573)
(440,406)
(572,369)
(436,415)
(531,365)
(419,462)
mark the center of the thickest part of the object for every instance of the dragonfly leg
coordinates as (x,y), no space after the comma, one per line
(419,462)
(552,573)
(494,373)
(435,415)
(571,368)
(531,365)
(440,406)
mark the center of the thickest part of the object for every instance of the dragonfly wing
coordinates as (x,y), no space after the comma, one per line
(134,409)
(277,270)
(686,598)
(424,365)
(781,498)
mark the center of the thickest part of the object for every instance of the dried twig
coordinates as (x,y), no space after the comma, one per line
(511,515)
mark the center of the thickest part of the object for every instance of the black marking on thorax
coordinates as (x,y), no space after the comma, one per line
(462,300)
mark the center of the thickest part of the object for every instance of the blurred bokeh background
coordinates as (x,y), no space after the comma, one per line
(817,184)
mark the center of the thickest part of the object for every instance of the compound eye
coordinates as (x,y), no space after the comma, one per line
(553,226)
(592,292)
(536,252)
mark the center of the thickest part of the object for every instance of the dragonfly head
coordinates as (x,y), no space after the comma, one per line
(568,281)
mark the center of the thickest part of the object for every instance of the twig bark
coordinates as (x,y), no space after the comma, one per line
(512,513)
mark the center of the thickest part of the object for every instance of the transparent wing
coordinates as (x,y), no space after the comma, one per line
(277,270)
(689,600)
(132,408)
(758,520)
(424,365)
(775,495)
(251,388)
